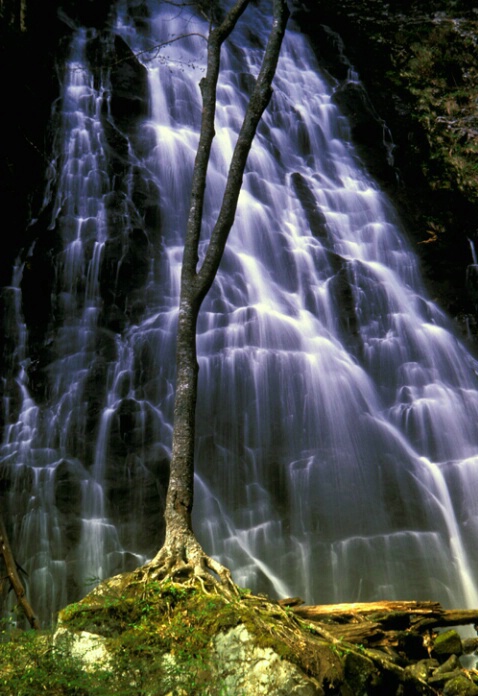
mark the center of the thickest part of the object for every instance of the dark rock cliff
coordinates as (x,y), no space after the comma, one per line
(417,61)
(35,45)
(32,40)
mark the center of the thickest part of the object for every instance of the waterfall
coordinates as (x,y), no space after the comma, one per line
(337,445)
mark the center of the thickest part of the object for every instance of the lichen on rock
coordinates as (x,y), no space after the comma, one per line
(246,669)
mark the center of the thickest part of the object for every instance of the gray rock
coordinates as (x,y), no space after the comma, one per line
(90,648)
(245,669)
(238,665)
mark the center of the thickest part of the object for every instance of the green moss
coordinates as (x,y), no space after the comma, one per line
(361,674)
(173,617)
(159,639)
(447,643)
(143,623)
(461,686)
(31,664)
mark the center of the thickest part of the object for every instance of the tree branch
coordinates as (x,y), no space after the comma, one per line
(208,87)
(258,102)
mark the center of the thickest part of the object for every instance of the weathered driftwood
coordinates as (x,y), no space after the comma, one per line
(14,578)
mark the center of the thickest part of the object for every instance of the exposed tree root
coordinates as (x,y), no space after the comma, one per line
(185,561)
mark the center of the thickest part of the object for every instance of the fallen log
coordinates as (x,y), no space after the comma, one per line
(401,638)
(389,615)
(14,578)
(363,633)
(385,624)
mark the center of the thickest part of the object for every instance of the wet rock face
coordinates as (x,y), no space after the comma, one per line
(67,494)
(28,89)
(125,262)
(131,215)
(90,13)
(417,62)
(124,270)
(32,36)
(129,86)
(368,130)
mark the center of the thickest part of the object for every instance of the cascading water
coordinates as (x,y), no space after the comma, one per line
(337,444)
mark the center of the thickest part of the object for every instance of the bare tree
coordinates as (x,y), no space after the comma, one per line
(181,555)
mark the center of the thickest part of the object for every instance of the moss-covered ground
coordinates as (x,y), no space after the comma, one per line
(158,638)
(140,623)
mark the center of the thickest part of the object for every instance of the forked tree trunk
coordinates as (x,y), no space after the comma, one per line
(180,543)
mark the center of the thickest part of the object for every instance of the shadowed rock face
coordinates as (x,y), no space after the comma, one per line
(32,38)
(417,62)
(37,241)
(126,259)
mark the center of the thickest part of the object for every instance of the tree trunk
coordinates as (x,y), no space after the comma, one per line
(181,552)
(179,500)
(14,578)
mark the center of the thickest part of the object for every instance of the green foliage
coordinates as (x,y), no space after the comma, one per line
(159,639)
(441,74)
(31,664)
(162,620)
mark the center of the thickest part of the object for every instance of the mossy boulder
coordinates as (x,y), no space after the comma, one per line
(460,686)
(446,644)
(177,636)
